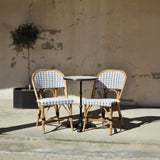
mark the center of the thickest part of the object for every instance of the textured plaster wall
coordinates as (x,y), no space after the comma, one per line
(85,37)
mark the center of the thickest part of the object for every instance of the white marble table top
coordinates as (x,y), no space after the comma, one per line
(80,78)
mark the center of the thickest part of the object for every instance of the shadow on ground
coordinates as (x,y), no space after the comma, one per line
(130,123)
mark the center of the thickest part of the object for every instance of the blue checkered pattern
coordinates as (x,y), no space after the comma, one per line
(54,101)
(100,102)
(48,79)
(111,80)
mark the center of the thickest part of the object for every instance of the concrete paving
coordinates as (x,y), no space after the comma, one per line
(21,139)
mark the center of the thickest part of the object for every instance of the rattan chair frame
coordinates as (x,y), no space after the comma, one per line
(105,109)
(39,94)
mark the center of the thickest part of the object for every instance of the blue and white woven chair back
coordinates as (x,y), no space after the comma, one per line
(49,79)
(111,79)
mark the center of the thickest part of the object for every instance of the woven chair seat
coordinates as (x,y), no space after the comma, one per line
(101,102)
(54,101)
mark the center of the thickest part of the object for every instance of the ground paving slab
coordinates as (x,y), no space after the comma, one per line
(21,139)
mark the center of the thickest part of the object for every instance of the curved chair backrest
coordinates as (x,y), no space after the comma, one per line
(110,80)
(49,79)
(45,78)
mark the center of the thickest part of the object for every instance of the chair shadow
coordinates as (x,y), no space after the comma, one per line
(18,127)
(63,125)
(130,123)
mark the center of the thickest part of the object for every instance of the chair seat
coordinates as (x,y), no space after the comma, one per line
(54,101)
(101,102)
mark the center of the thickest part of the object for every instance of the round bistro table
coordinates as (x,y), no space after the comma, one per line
(80,79)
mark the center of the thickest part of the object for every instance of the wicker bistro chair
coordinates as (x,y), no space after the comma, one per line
(109,81)
(50,80)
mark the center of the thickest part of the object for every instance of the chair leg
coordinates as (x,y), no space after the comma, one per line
(110,119)
(57,114)
(103,115)
(85,118)
(39,115)
(70,116)
(43,121)
(120,115)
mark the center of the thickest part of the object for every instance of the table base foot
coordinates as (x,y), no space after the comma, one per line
(79,127)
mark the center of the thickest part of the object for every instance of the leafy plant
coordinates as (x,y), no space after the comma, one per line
(25,36)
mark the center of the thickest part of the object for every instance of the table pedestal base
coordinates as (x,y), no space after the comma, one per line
(88,125)
(80,79)
(79,127)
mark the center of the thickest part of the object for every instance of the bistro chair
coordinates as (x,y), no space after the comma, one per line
(50,80)
(109,81)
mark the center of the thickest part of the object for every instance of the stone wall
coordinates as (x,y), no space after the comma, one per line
(85,37)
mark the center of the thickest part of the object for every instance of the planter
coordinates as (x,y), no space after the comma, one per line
(23,98)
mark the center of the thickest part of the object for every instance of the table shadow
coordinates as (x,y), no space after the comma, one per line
(130,123)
